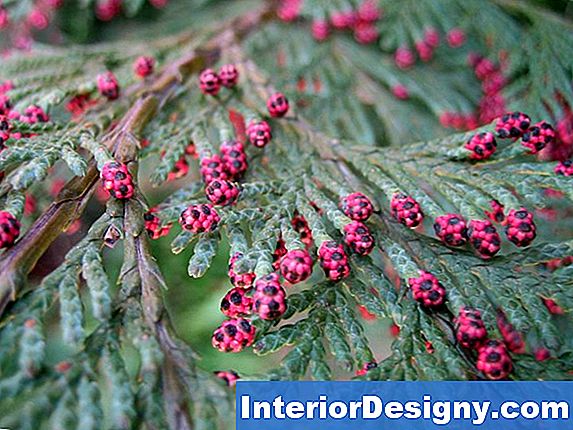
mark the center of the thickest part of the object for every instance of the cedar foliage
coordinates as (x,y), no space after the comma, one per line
(345,134)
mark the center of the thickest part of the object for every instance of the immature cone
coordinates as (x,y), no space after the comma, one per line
(425,51)
(358,238)
(269,297)
(221,192)
(228,75)
(106,10)
(427,290)
(481,146)
(564,168)
(153,226)
(277,104)
(456,37)
(520,228)
(366,32)
(143,66)
(108,86)
(213,168)
(234,335)
(209,82)
(406,210)
(494,360)
(243,280)
(199,218)
(320,29)
(333,260)
(342,20)
(117,180)
(538,137)
(356,206)
(432,37)
(542,354)
(400,92)
(484,237)
(33,115)
(234,159)
(470,329)
(289,10)
(237,303)
(230,377)
(296,266)
(404,58)
(4,18)
(259,133)
(451,229)
(483,67)
(493,84)
(512,124)
(369,11)
(9,229)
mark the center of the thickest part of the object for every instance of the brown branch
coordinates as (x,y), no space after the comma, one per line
(17,262)
(176,399)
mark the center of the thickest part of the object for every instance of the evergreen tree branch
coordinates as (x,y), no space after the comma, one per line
(345,132)
(19,260)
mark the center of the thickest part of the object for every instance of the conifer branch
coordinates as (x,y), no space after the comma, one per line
(16,263)
(323,191)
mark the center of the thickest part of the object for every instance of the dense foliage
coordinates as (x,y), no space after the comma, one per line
(350,160)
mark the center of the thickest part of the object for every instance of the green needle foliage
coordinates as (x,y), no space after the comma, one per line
(124,366)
